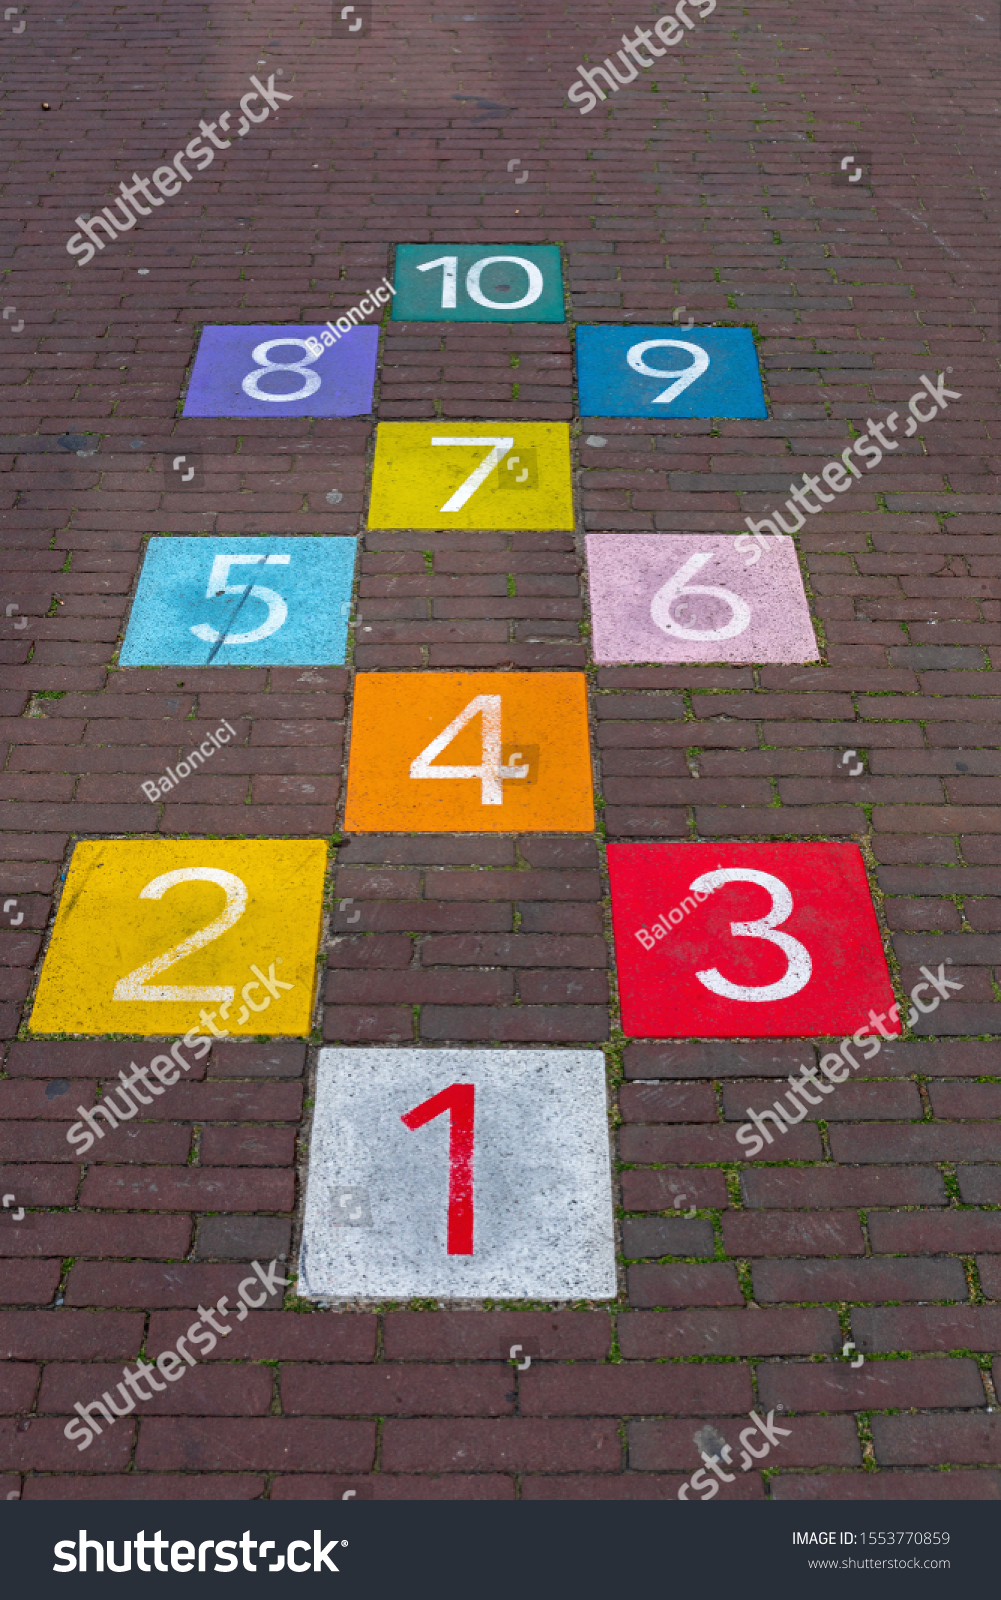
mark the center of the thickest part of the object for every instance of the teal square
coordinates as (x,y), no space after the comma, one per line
(478,283)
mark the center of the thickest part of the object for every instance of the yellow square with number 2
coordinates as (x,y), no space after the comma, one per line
(469,752)
(163,936)
(472,475)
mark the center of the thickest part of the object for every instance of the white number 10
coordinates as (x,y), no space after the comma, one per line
(490,771)
(450,265)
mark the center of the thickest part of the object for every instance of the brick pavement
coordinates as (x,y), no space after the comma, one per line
(705,185)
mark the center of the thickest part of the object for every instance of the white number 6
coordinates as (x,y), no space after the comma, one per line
(660,605)
(800,969)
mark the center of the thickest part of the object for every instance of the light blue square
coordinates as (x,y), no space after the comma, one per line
(284,601)
(721,365)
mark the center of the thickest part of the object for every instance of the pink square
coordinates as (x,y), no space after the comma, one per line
(678,597)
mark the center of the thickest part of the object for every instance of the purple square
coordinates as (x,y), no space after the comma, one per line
(257,370)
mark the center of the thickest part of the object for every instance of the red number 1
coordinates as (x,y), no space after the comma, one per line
(459,1101)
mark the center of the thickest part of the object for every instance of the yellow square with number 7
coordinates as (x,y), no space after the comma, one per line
(163,936)
(472,475)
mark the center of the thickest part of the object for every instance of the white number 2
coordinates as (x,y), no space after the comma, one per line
(799,971)
(660,605)
(700,363)
(490,771)
(479,474)
(135,985)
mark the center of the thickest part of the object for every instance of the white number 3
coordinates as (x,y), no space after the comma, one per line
(800,969)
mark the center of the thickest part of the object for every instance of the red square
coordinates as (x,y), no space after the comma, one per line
(788,948)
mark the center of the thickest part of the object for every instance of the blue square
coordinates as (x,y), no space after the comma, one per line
(292,371)
(253,602)
(668,372)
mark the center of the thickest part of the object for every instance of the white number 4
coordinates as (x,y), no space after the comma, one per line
(490,771)
(469,486)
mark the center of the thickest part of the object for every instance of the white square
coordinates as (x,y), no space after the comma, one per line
(386,1202)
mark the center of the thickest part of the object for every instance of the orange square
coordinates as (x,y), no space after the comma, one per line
(469,752)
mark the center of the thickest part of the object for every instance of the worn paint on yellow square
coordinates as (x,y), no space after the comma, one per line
(470,752)
(155,936)
(472,475)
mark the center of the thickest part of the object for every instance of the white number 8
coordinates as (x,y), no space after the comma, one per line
(311,380)
(800,969)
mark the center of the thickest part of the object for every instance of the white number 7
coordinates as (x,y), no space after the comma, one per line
(490,771)
(469,486)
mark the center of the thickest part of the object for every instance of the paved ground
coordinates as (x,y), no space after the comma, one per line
(706,185)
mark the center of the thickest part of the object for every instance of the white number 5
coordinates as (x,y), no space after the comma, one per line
(800,969)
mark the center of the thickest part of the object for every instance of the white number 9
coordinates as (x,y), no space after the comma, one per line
(800,969)
(700,363)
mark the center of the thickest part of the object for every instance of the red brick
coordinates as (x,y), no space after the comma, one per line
(877,1386)
(395,1486)
(880,1486)
(237,1147)
(42,1447)
(933,1441)
(77,1335)
(146,1486)
(398,1389)
(28,1283)
(240,1391)
(874,1279)
(483,1335)
(630,1486)
(277,1336)
(649,1334)
(793,1233)
(927,1328)
(812,1442)
(713,1285)
(515,1445)
(264,1443)
(188,1189)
